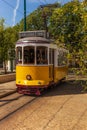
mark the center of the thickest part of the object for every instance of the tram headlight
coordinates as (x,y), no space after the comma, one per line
(28,77)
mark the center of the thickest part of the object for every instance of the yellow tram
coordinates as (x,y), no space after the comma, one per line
(40,63)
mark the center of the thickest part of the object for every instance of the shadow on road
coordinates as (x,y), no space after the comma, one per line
(65,88)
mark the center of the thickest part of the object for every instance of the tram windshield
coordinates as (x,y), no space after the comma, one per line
(32,55)
(41,55)
(29,55)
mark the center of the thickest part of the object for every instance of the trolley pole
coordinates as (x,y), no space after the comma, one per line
(24,15)
(44,14)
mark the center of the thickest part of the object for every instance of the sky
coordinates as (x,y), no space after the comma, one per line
(13,10)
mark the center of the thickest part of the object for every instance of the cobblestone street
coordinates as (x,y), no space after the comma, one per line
(61,108)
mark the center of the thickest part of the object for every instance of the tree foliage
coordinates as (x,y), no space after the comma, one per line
(68,26)
(8,37)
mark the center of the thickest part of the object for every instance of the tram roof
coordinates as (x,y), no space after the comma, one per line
(33,40)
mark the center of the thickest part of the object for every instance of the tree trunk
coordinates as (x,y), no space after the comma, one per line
(5,69)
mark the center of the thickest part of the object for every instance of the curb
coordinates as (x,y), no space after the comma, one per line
(7,93)
(7,77)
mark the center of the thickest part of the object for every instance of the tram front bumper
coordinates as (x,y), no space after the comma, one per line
(31,83)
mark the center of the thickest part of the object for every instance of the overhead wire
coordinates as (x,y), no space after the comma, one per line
(11,6)
(45,1)
(41,2)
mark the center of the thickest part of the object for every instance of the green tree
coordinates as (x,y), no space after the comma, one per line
(69,26)
(7,41)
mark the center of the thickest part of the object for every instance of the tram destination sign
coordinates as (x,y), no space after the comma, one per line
(39,33)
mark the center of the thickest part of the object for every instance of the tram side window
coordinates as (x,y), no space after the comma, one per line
(62,58)
(19,55)
(41,55)
(29,55)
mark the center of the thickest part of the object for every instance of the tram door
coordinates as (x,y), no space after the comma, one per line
(51,63)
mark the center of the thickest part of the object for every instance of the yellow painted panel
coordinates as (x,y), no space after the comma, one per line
(36,72)
(41,75)
(60,73)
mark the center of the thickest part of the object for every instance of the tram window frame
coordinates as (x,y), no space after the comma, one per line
(41,55)
(51,56)
(19,55)
(29,55)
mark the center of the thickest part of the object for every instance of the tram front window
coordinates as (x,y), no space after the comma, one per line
(29,55)
(41,54)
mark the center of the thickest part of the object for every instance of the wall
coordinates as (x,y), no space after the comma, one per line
(7,77)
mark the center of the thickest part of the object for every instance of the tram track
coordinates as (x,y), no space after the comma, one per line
(64,106)
(12,103)
(7,101)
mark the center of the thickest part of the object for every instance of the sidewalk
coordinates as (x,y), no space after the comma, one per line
(7,88)
(76,77)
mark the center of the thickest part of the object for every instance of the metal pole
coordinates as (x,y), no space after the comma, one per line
(45,21)
(24,15)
